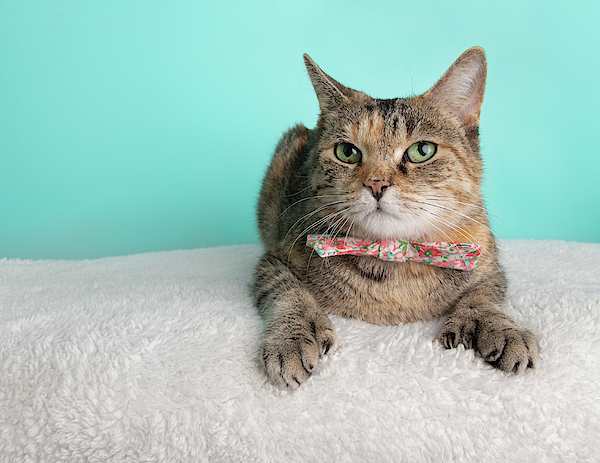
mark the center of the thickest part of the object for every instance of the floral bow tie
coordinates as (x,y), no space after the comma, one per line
(460,256)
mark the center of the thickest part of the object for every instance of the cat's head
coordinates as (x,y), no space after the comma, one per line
(400,168)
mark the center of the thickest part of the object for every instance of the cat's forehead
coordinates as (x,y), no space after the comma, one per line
(402,115)
(385,123)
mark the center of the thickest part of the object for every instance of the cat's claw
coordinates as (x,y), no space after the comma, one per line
(289,356)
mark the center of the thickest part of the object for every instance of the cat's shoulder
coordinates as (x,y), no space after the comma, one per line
(293,141)
(289,152)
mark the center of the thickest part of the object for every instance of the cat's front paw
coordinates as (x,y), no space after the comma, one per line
(501,343)
(292,348)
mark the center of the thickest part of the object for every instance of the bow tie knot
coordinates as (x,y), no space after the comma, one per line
(459,256)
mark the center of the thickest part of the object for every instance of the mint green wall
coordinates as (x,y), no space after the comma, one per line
(130,126)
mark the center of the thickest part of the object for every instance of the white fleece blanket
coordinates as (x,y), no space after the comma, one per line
(152,358)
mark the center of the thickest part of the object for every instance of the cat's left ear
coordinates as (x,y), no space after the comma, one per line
(461,88)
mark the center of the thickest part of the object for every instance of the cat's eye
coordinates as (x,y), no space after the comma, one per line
(421,151)
(347,152)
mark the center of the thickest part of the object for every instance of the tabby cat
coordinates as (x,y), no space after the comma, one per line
(407,169)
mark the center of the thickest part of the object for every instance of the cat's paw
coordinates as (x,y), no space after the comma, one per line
(292,348)
(500,343)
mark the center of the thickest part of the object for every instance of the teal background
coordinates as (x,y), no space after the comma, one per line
(130,126)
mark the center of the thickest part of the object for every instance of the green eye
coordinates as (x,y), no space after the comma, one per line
(347,152)
(421,151)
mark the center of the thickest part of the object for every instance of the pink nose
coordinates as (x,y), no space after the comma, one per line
(377,186)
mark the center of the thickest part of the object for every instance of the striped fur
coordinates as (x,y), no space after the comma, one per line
(307,189)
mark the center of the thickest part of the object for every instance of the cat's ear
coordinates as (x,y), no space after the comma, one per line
(461,88)
(331,94)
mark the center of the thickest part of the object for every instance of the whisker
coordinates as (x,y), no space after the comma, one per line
(315,225)
(333,230)
(478,206)
(460,214)
(299,191)
(308,230)
(429,222)
(305,217)
(453,227)
(304,199)
(350,228)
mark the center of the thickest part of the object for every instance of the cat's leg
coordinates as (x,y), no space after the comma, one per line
(478,322)
(297,331)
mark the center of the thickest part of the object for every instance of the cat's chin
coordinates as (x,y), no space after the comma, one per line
(380,225)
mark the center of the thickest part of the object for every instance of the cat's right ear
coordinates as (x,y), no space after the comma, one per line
(331,94)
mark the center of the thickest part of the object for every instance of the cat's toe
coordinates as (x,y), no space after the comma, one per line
(326,338)
(290,353)
(289,361)
(458,331)
(509,349)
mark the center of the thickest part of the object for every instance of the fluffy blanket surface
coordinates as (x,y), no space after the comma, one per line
(153,358)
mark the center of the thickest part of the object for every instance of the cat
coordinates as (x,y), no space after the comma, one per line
(402,169)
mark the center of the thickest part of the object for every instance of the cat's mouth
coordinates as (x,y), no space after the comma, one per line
(384,215)
(382,209)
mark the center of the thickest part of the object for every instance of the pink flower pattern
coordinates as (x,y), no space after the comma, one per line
(459,256)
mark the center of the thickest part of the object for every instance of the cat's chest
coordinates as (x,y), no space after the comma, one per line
(371,271)
(382,292)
